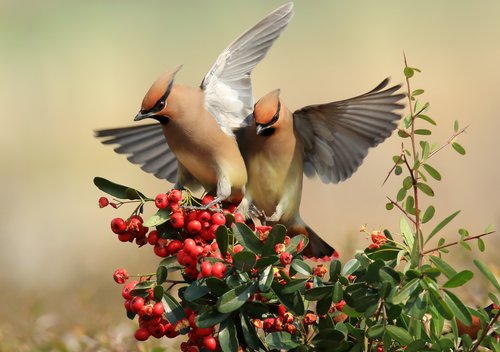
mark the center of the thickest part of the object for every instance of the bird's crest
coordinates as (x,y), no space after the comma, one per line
(158,88)
(267,108)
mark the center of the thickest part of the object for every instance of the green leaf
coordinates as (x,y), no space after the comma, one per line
(455,126)
(170,263)
(427,118)
(317,293)
(293,301)
(459,279)
(432,172)
(161,216)
(480,245)
(410,205)
(389,206)
(442,224)
(217,286)
(161,274)
(266,261)
(444,267)
(439,303)
(465,245)
(116,190)
(143,285)
(422,132)
(459,149)
(407,182)
(228,339)
(399,334)
(494,299)
(244,260)
(350,267)
(158,293)
(459,310)
(429,214)
(335,267)
(398,170)
(195,290)
(375,331)
(425,149)
(173,309)
(337,292)
(294,285)
(291,247)
(235,298)
(247,238)
(408,72)
(426,189)
(280,341)
(222,238)
(210,317)
(406,232)
(301,267)
(401,194)
(403,134)
(417,92)
(402,295)
(487,273)
(249,333)
(276,235)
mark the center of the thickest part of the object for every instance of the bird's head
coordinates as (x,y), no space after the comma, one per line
(266,113)
(155,102)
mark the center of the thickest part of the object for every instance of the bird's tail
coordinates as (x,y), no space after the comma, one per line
(317,249)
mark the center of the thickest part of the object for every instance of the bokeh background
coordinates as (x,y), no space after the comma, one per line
(68,67)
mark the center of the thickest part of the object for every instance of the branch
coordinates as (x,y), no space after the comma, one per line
(400,208)
(449,141)
(457,242)
(485,331)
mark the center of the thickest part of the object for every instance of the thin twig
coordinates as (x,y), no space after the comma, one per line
(376,316)
(400,208)
(457,242)
(392,169)
(485,331)
(449,141)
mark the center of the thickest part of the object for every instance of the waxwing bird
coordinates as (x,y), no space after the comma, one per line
(329,140)
(192,143)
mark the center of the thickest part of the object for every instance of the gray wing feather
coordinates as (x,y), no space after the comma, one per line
(227,85)
(145,146)
(337,135)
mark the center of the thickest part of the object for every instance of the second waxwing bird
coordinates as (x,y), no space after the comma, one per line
(330,140)
(193,143)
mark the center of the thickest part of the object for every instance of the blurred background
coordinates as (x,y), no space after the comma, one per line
(69,67)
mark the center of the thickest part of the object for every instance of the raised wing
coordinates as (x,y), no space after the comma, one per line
(146,146)
(337,135)
(227,85)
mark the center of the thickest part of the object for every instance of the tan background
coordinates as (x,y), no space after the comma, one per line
(68,67)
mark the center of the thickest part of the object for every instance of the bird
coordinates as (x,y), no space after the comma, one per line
(329,140)
(192,143)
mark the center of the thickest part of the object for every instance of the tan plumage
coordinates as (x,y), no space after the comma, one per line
(330,140)
(198,122)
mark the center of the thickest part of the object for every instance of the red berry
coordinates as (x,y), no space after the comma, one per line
(181,256)
(146,310)
(189,245)
(126,237)
(120,276)
(153,237)
(281,310)
(136,304)
(201,332)
(207,235)
(170,331)
(207,199)
(210,343)
(206,269)
(218,219)
(196,251)
(161,201)
(157,330)
(158,309)
(118,225)
(232,208)
(239,218)
(175,196)
(174,246)
(103,202)
(161,248)
(194,226)
(218,270)
(134,224)
(238,248)
(141,334)
(204,216)
(177,220)
(127,288)
(286,258)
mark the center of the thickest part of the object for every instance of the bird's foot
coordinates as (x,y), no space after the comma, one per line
(255,212)
(208,206)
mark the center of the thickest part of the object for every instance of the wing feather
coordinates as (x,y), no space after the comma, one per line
(227,85)
(337,135)
(145,146)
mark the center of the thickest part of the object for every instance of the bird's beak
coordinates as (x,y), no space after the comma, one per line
(140,116)
(260,128)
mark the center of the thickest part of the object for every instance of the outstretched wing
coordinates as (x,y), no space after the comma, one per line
(337,135)
(146,146)
(227,85)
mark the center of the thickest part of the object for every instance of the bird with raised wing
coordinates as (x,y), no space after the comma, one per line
(329,140)
(193,143)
